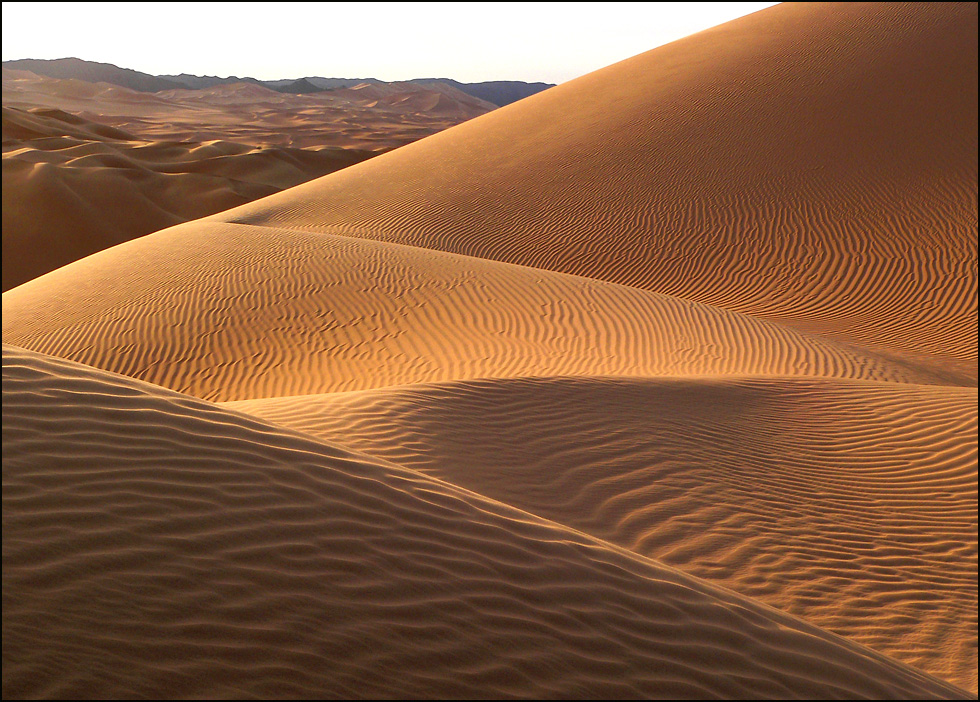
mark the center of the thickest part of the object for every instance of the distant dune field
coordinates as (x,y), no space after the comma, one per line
(87,166)
(661,383)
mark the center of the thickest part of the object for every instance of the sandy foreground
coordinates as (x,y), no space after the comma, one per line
(660,383)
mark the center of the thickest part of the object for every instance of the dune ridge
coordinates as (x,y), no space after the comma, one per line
(339,574)
(246,312)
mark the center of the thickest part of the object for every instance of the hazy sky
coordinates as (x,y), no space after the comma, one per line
(468,41)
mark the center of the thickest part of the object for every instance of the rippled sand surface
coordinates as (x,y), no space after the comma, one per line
(661,383)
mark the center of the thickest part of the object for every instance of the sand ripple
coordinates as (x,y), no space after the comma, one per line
(167,547)
(483,398)
(850,504)
(229,312)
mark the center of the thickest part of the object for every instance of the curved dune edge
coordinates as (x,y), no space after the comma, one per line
(168,547)
(812,163)
(229,312)
(850,504)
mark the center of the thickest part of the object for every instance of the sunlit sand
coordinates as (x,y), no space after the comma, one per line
(661,383)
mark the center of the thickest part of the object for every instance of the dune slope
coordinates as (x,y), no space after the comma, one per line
(850,504)
(231,312)
(287,567)
(814,163)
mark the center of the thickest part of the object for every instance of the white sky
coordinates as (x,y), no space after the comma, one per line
(467,41)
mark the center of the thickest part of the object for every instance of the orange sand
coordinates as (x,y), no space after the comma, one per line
(658,384)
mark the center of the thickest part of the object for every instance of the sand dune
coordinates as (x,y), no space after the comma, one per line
(850,504)
(72,187)
(235,558)
(815,163)
(452,422)
(435,98)
(230,312)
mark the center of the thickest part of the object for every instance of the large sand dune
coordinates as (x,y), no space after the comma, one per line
(661,383)
(814,163)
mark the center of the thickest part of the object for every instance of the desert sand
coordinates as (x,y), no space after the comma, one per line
(660,383)
(87,166)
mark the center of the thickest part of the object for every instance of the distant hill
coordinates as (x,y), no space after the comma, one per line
(333,83)
(94,72)
(298,87)
(187,80)
(498,92)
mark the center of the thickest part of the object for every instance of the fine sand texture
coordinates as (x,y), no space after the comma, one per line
(88,166)
(847,503)
(178,549)
(660,383)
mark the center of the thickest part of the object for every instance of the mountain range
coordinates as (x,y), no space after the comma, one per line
(500,92)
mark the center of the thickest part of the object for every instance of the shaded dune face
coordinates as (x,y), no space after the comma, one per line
(237,558)
(847,503)
(815,163)
(447,422)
